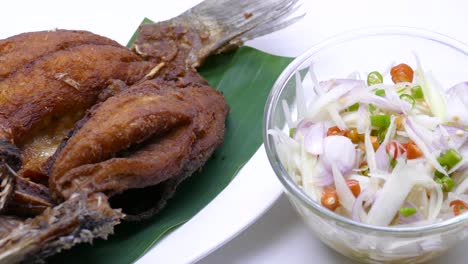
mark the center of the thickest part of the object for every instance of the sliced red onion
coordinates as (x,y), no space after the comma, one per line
(424,133)
(457,108)
(412,218)
(325,180)
(358,210)
(372,199)
(392,96)
(340,152)
(345,195)
(358,160)
(330,84)
(367,97)
(429,122)
(330,97)
(422,146)
(381,157)
(445,137)
(318,88)
(462,187)
(335,116)
(363,123)
(464,153)
(365,199)
(312,135)
(463,164)
(394,193)
(370,153)
(323,177)
(435,201)
(421,132)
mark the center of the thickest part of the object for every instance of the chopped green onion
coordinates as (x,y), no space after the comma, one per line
(291,132)
(407,211)
(372,108)
(380,92)
(401,90)
(450,158)
(446,183)
(353,108)
(381,134)
(417,92)
(439,174)
(374,78)
(393,162)
(408,98)
(381,121)
(364,170)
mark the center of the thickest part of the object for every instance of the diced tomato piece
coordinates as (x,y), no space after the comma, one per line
(458,206)
(402,73)
(335,131)
(353,135)
(413,151)
(330,199)
(375,142)
(354,187)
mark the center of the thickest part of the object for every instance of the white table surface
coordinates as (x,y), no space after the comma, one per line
(279,236)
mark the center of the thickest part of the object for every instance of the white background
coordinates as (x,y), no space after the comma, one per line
(279,236)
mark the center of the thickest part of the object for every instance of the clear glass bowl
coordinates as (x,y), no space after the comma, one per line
(368,50)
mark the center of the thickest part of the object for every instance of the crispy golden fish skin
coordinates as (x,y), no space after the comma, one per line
(64,82)
(41,102)
(140,137)
(16,54)
(19,50)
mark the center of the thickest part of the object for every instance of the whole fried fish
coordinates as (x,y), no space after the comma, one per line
(85,121)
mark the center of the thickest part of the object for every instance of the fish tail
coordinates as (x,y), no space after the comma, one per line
(214,26)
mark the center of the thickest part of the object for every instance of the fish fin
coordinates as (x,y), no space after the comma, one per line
(237,21)
(80,219)
(213,26)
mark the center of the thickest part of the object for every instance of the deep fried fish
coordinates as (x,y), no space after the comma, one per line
(41,102)
(141,137)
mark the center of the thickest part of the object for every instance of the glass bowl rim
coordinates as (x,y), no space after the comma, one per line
(277,89)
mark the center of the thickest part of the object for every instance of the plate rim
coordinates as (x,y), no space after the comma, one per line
(190,246)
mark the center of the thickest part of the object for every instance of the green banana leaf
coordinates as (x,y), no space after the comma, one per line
(245,77)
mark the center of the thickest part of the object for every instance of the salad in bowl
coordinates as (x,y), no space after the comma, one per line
(382,153)
(375,162)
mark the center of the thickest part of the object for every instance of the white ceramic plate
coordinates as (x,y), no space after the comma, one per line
(245,199)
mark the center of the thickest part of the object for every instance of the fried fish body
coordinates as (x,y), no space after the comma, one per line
(42,100)
(22,49)
(141,137)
